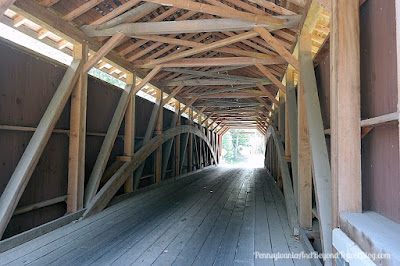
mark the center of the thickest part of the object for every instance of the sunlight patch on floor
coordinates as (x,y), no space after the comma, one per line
(251,161)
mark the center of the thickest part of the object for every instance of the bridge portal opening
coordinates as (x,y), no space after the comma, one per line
(243,148)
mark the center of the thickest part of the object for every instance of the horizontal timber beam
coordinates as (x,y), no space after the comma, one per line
(221,61)
(216,82)
(209,74)
(185,26)
(186,43)
(205,48)
(227,89)
(232,95)
(222,11)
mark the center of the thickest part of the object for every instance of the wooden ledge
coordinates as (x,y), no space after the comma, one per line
(373,233)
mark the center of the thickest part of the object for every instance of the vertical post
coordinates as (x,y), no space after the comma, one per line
(345,108)
(158,131)
(177,142)
(281,115)
(190,163)
(304,163)
(201,160)
(319,153)
(205,146)
(292,115)
(129,136)
(220,146)
(77,136)
(287,132)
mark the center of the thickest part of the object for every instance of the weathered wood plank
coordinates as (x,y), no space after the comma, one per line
(345,109)
(319,153)
(304,162)
(291,104)
(75,229)
(178,223)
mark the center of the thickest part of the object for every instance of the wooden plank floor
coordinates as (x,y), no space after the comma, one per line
(220,216)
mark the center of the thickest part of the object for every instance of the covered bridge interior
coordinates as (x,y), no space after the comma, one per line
(111,143)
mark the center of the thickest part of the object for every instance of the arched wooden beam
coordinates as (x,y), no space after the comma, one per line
(106,193)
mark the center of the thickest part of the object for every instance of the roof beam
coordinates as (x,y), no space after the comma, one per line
(208,74)
(4,5)
(205,48)
(227,89)
(210,62)
(199,113)
(185,26)
(220,11)
(40,15)
(261,100)
(81,9)
(271,76)
(233,95)
(267,93)
(111,19)
(187,106)
(219,104)
(146,79)
(171,95)
(105,49)
(48,3)
(215,82)
(272,7)
(277,46)
(185,43)
(208,117)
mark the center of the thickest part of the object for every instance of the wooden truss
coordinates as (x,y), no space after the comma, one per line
(227,64)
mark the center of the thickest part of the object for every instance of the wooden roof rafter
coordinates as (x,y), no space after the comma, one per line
(202,50)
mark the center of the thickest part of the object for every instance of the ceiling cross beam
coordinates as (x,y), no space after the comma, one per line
(216,82)
(220,11)
(205,48)
(278,47)
(184,26)
(211,62)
